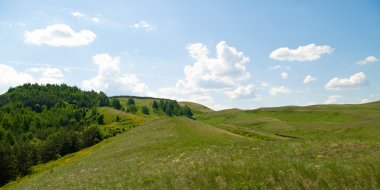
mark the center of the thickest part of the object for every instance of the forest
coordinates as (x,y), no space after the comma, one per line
(39,123)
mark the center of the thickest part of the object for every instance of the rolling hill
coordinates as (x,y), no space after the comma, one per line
(312,147)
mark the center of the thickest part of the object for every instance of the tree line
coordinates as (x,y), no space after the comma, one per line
(169,107)
(172,108)
(39,123)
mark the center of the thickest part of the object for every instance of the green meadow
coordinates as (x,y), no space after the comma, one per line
(312,147)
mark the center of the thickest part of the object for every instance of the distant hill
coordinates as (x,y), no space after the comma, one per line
(197,108)
(292,147)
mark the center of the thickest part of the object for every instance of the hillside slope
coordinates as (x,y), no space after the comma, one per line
(337,147)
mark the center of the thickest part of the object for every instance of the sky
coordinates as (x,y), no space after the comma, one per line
(223,54)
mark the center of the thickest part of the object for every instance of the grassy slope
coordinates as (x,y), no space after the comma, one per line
(339,149)
(197,109)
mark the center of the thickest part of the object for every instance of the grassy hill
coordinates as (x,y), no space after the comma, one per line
(313,147)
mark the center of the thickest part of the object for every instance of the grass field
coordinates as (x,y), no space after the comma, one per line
(314,147)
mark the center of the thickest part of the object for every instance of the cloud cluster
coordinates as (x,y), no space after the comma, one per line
(333,99)
(369,59)
(243,92)
(309,79)
(109,78)
(207,73)
(225,74)
(309,52)
(59,35)
(354,81)
(10,77)
(144,25)
(274,91)
(48,75)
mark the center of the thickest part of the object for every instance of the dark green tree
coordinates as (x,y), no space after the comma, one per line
(145,110)
(155,104)
(100,119)
(10,138)
(130,101)
(187,112)
(7,163)
(2,133)
(169,111)
(91,136)
(116,103)
(103,100)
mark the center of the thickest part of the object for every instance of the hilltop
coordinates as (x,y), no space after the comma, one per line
(310,147)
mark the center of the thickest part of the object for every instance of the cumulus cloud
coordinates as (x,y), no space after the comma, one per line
(144,25)
(369,59)
(309,52)
(209,76)
(243,92)
(274,91)
(333,99)
(48,75)
(284,75)
(59,35)
(309,79)
(110,78)
(77,14)
(9,77)
(225,70)
(354,81)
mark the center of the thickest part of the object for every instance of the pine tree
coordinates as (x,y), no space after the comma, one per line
(130,101)
(187,112)
(145,110)
(155,104)
(116,103)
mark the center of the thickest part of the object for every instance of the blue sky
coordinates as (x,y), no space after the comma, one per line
(223,54)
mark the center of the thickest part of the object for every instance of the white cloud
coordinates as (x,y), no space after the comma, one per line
(309,52)
(211,77)
(333,99)
(59,35)
(243,92)
(143,25)
(95,19)
(207,73)
(275,67)
(110,78)
(77,14)
(284,75)
(365,100)
(9,77)
(48,75)
(369,59)
(279,90)
(309,79)
(356,80)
